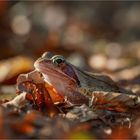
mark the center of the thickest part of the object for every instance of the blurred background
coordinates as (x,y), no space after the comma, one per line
(96,36)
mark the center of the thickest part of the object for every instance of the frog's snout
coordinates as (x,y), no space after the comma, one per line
(37,63)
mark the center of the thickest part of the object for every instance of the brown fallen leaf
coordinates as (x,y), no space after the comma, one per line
(115,101)
(121,133)
(18,101)
(12,67)
(23,127)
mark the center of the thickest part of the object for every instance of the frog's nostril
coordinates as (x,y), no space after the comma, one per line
(47,55)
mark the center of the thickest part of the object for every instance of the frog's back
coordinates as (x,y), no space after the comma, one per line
(99,84)
(96,82)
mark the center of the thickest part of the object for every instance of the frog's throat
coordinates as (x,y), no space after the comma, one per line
(46,79)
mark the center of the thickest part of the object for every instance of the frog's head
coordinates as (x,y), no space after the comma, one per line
(57,72)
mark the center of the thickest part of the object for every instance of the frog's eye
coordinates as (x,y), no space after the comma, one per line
(58,59)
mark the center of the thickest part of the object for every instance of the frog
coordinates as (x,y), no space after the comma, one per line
(81,87)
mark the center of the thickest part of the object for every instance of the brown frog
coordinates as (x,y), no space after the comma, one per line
(80,87)
(67,83)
